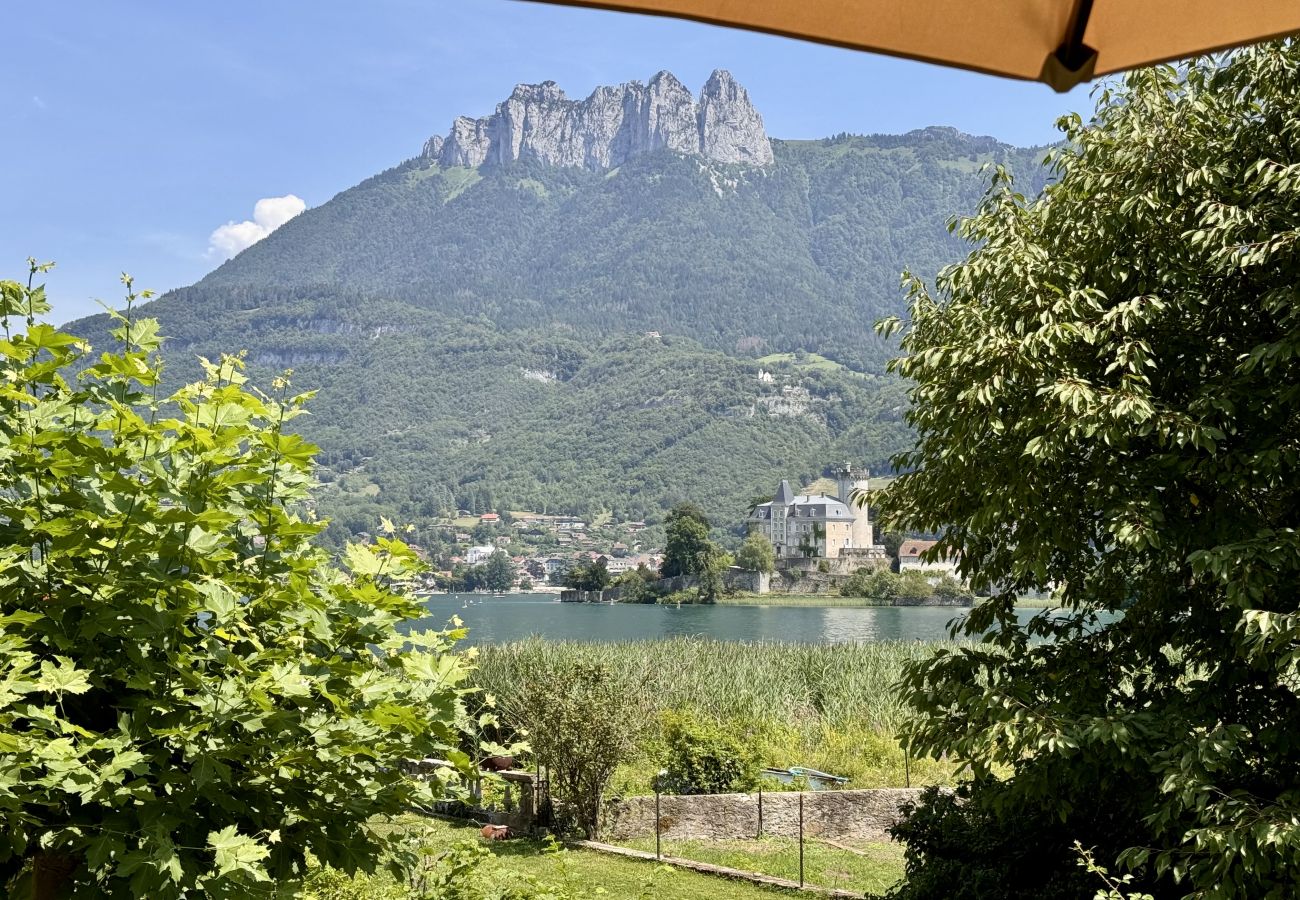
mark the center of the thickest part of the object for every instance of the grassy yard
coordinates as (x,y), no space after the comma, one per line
(874,867)
(538,870)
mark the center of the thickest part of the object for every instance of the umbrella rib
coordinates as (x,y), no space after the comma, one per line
(1073,52)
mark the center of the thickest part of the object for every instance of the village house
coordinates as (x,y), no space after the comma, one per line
(479,554)
(909,559)
(616,565)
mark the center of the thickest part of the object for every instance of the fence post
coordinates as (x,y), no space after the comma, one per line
(801,839)
(658,854)
(760,810)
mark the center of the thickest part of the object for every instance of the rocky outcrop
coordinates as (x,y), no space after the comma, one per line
(538,122)
(728,123)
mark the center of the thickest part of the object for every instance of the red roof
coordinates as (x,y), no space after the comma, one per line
(914,548)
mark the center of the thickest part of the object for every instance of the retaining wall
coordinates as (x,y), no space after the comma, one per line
(863,814)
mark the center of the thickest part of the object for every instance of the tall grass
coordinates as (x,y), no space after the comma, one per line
(831,706)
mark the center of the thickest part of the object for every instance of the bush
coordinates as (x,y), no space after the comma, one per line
(968,846)
(756,554)
(880,585)
(703,759)
(950,590)
(193,697)
(583,720)
(636,587)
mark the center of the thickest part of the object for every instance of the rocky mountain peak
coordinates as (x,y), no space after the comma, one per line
(613,125)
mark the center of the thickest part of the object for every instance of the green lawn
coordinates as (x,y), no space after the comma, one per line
(811,362)
(529,865)
(876,867)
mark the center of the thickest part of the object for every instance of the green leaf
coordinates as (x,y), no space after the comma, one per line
(62,676)
(235,852)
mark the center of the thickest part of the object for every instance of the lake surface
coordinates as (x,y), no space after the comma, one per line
(493,620)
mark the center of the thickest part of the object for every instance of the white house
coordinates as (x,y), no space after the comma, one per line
(909,558)
(479,554)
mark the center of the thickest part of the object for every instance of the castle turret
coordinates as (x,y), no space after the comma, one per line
(852,488)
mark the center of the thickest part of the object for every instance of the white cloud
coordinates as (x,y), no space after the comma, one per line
(269,214)
(39,103)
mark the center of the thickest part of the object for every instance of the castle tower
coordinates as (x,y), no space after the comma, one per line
(852,489)
(780,504)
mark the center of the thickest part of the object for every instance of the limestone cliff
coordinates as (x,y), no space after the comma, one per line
(538,122)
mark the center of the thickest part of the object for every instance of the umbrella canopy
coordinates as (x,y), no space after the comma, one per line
(1060,42)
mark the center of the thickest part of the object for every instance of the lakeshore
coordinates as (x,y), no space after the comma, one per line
(829,601)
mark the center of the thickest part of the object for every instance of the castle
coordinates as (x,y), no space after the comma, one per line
(816,526)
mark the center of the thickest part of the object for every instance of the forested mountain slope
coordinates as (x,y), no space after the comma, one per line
(804,255)
(482,337)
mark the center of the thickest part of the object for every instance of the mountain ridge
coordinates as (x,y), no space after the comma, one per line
(527,335)
(611,126)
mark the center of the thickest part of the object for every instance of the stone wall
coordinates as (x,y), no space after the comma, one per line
(860,814)
(738,579)
(849,561)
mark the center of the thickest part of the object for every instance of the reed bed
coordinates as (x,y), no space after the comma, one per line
(829,706)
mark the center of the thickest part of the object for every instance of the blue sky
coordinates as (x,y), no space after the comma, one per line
(136,128)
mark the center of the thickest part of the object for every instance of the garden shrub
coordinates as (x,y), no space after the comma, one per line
(702,758)
(582,721)
(193,696)
(968,845)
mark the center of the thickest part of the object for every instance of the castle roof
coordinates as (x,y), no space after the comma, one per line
(784,496)
(804,506)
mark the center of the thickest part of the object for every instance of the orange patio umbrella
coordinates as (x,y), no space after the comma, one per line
(1059,42)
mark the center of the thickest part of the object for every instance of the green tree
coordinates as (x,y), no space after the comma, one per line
(708,567)
(637,586)
(192,696)
(583,721)
(756,554)
(687,536)
(498,572)
(878,584)
(1107,399)
(593,577)
(892,540)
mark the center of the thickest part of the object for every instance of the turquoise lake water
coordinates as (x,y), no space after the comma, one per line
(493,620)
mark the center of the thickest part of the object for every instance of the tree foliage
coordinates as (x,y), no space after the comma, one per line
(756,554)
(689,551)
(593,576)
(498,572)
(583,720)
(1107,398)
(192,696)
(687,529)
